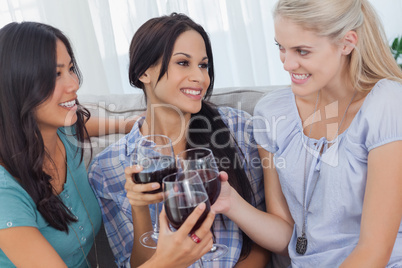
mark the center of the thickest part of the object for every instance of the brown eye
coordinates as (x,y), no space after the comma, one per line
(183,63)
(204,65)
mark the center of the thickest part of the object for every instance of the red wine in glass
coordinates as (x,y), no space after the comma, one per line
(155,170)
(212,183)
(177,209)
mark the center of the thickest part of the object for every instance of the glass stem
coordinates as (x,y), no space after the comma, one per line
(156,226)
(200,264)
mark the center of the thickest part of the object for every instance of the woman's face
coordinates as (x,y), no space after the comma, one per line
(313,62)
(60,108)
(186,81)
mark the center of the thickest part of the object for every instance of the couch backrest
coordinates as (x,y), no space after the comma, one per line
(126,105)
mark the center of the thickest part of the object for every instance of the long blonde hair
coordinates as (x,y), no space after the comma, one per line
(371,60)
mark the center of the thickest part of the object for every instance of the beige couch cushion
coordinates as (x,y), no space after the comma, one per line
(124,106)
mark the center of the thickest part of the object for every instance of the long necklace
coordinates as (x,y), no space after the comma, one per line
(301,243)
(86,210)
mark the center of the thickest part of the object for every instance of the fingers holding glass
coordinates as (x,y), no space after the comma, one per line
(177,247)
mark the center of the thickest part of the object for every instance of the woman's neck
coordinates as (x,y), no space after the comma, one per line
(172,123)
(50,141)
(54,163)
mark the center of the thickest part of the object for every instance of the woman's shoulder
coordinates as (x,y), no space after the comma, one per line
(276,120)
(7,180)
(235,119)
(10,187)
(230,112)
(379,119)
(275,102)
(386,90)
(384,97)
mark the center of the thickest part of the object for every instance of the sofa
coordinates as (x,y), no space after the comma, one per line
(123,107)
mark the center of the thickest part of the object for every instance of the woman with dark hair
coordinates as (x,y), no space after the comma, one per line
(49,215)
(171,61)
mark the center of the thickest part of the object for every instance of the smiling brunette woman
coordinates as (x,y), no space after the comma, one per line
(48,213)
(171,61)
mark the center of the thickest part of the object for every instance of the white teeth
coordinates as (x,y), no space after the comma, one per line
(68,104)
(192,92)
(300,76)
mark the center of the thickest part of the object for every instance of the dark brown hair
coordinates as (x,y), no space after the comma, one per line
(28,62)
(154,42)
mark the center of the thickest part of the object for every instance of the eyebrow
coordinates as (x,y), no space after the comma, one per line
(296,47)
(60,65)
(187,55)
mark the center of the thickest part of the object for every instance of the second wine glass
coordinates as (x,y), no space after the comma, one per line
(203,161)
(183,192)
(155,154)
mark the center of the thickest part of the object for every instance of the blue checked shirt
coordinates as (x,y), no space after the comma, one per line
(106,176)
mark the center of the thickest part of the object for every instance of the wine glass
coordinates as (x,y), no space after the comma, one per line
(183,192)
(155,154)
(203,161)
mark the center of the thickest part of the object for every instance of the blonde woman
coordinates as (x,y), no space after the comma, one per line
(334,198)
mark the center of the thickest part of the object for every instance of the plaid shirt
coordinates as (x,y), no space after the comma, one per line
(106,176)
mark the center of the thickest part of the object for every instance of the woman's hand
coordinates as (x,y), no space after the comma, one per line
(224,201)
(136,193)
(177,249)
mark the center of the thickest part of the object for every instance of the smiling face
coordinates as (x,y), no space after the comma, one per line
(186,80)
(60,108)
(313,62)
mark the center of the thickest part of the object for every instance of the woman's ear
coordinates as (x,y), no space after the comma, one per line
(145,78)
(349,42)
(150,75)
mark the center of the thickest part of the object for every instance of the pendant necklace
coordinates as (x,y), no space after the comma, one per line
(301,243)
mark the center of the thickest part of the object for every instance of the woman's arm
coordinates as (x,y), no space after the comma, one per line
(274,199)
(98,126)
(382,208)
(266,229)
(27,247)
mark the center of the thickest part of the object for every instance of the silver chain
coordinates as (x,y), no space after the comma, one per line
(305,208)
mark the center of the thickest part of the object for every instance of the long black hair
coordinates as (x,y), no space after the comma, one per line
(28,61)
(154,41)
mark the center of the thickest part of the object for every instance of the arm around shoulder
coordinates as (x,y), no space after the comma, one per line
(98,126)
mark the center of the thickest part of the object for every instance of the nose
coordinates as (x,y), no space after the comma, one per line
(72,83)
(198,75)
(289,61)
